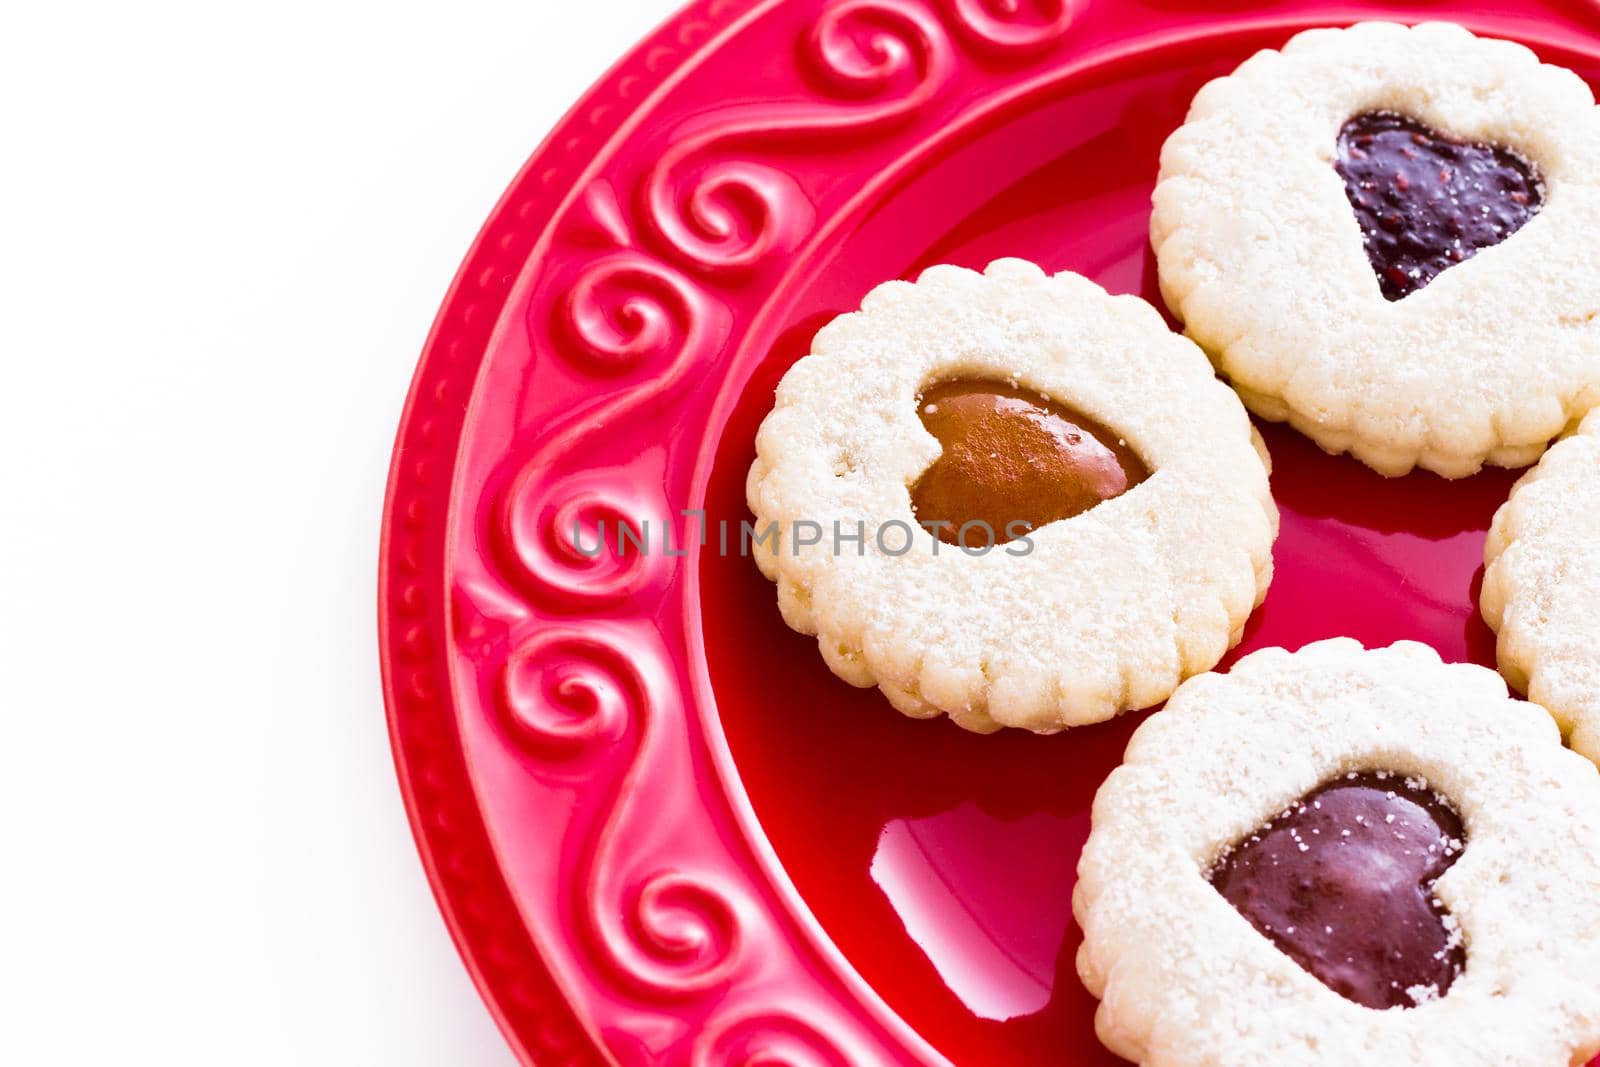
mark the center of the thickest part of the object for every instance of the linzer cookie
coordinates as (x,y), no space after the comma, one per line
(1541,588)
(1387,237)
(1345,856)
(1013,499)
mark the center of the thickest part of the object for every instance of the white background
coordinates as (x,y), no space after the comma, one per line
(224,232)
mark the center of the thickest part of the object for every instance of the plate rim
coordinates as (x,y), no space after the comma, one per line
(507,968)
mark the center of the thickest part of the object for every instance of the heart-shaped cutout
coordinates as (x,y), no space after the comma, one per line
(1013,461)
(1427,201)
(1342,883)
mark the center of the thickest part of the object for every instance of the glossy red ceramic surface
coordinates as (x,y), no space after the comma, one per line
(660,829)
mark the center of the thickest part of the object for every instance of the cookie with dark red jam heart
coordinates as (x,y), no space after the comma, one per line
(1310,195)
(1427,201)
(1342,882)
(1377,919)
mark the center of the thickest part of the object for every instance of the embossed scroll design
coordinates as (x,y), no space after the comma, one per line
(766,1037)
(736,211)
(570,692)
(625,310)
(573,693)
(998,26)
(884,59)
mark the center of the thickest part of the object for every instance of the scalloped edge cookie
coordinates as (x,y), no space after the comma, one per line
(1541,585)
(1260,253)
(1112,608)
(1184,979)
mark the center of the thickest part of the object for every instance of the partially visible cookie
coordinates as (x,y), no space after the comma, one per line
(1341,856)
(1384,235)
(1541,588)
(959,402)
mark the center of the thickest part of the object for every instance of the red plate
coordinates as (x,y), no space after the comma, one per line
(659,828)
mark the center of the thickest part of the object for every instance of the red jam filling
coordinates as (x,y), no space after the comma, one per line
(1427,201)
(1342,883)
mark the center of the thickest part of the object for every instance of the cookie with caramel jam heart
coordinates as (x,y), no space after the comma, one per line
(1013,499)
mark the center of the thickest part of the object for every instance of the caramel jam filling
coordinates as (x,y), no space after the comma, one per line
(1013,461)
